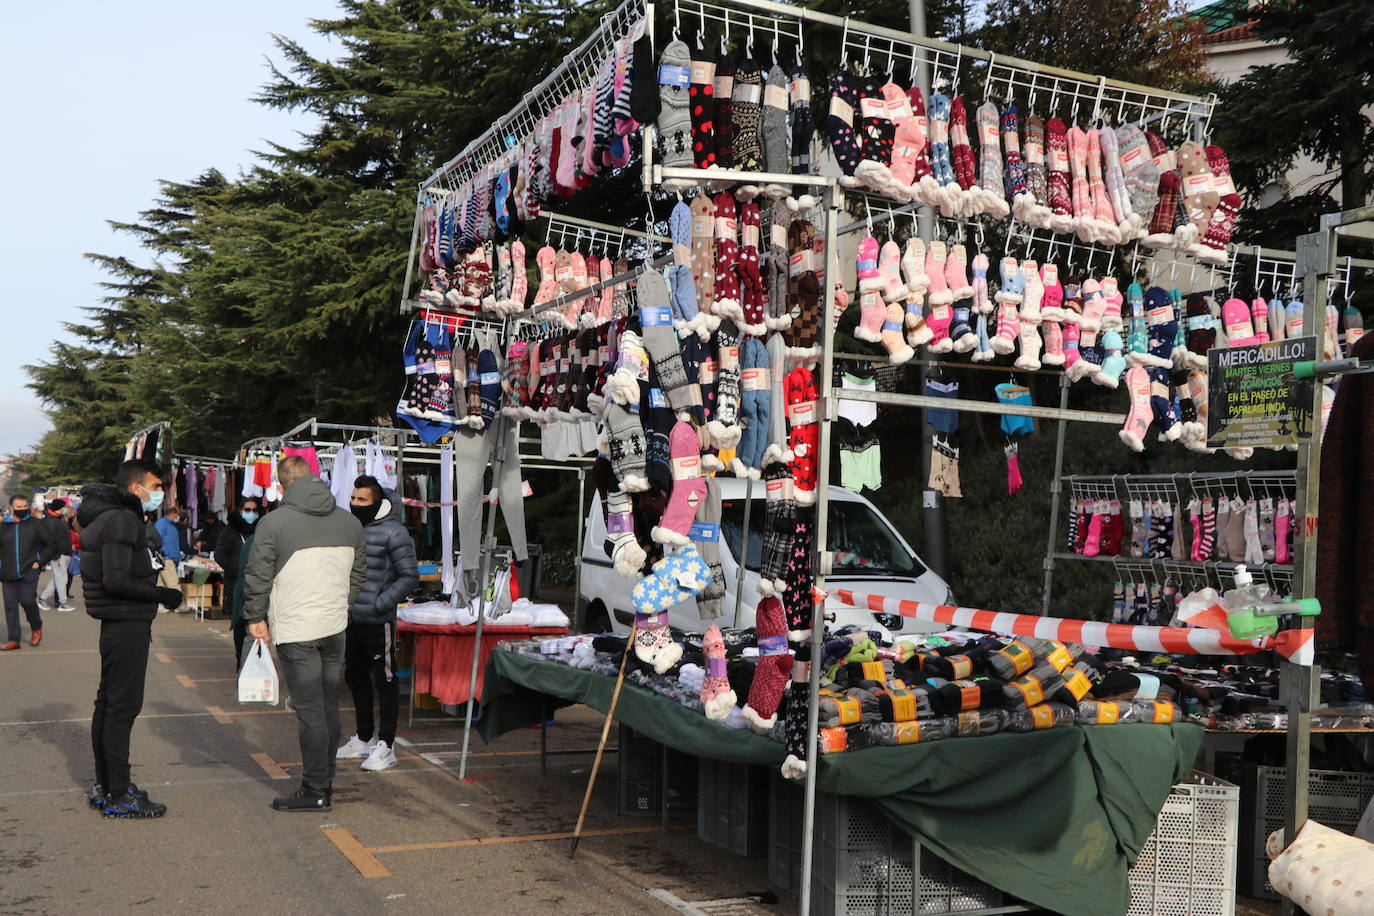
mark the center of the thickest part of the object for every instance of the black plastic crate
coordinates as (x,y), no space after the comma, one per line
(1334,798)
(644,764)
(732,807)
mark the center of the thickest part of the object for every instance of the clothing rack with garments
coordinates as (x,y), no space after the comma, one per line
(152,443)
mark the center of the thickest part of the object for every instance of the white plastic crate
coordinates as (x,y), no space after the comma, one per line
(1188,865)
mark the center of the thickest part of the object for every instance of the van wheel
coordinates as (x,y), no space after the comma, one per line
(597,620)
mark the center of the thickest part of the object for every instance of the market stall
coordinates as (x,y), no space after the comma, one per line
(712,348)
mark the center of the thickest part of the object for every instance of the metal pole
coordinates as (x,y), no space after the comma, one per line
(578,622)
(821,555)
(934,521)
(488,548)
(1056,489)
(1316,261)
(744,547)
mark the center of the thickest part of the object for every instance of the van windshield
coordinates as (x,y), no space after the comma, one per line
(860,539)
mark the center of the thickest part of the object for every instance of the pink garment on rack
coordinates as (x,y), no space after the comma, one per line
(308,454)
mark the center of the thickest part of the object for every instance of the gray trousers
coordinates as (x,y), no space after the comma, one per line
(313,671)
(22,593)
(472,452)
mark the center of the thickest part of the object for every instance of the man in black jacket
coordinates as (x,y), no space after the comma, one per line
(370,650)
(25,548)
(119,580)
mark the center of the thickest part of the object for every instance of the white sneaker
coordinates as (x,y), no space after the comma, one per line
(355,749)
(381,758)
(66,608)
(42,606)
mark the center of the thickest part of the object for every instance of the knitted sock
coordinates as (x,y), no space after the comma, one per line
(628,449)
(1283,526)
(1060,200)
(1140,537)
(1212,247)
(1092,545)
(688,490)
(908,143)
(1138,417)
(983,352)
(1052,300)
(949,194)
(705,534)
(889,271)
(661,341)
(753,299)
(1030,344)
(489,383)
(1113,361)
(876,132)
(779,217)
(703,109)
(1072,356)
(956,272)
(803,126)
(1266,527)
(775,151)
(982,302)
(1161,531)
(992,182)
(801,394)
(704,255)
(780,522)
(723,119)
(1117,193)
(1084,216)
(1035,208)
(1160,232)
(1054,343)
(727,287)
(1032,292)
(961,152)
(774,667)
(1201,332)
(1008,329)
(746,105)
(839,125)
(924,187)
(1113,530)
(805,294)
(755,395)
(724,429)
(716,695)
(795,723)
(1259,310)
(1016,184)
(627,556)
(1254,549)
(1233,533)
(1104,217)
(1199,191)
(1140,173)
(938,291)
(1195,519)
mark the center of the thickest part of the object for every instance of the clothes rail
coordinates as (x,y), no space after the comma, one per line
(568,298)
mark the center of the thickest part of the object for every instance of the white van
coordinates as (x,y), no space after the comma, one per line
(870,556)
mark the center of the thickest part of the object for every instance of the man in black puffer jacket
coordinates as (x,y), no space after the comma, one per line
(370,652)
(119,581)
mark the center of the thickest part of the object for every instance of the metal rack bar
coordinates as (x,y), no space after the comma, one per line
(592,290)
(897,399)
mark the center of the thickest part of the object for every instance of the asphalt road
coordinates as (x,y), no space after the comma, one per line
(401,840)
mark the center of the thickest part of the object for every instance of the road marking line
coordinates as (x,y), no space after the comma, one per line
(168,715)
(186,681)
(220,715)
(270,766)
(530,838)
(361,857)
(162,657)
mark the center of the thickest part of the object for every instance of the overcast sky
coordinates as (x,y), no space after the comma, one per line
(102,99)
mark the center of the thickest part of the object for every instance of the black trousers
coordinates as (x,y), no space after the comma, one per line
(240,631)
(370,669)
(119,699)
(312,671)
(22,592)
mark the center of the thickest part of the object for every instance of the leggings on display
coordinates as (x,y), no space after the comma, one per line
(472,452)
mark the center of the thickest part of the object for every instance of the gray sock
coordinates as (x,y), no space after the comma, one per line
(674,120)
(660,340)
(706,537)
(775,135)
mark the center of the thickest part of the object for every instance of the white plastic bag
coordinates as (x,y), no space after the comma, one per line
(258,676)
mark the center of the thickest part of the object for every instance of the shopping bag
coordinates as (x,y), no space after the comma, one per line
(258,676)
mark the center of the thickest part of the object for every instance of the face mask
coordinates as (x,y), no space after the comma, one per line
(154,500)
(21,514)
(366,514)
(249,517)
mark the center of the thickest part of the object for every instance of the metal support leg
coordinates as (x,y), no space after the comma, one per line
(579,623)
(744,547)
(1056,490)
(488,549)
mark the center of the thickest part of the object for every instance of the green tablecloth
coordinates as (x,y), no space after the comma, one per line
(1053,818)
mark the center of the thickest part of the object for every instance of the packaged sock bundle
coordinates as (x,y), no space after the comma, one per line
(898,703)
(977,722)
(952,664)
(1046,715)
(852,707)
(1155,712)
(894,734)
(965,696)
(1032,688)
(1105,712)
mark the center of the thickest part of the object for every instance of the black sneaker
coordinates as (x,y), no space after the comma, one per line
(131,804)
(96,797)
(302,799)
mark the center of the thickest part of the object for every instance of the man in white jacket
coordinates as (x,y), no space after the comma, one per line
(307,565)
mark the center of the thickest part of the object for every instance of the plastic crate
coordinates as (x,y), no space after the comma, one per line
(640,790)
(1334,798)
(865,865)
(1187,867)
(732,806)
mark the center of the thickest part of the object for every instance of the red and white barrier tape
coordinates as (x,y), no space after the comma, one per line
(1294,645)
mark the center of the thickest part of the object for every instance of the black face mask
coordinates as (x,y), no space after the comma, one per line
(366,514)
(21,514)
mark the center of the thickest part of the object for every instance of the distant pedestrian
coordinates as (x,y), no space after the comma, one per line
(370,654)
(26,546)
(170,535)
(231,550)
(119,580)
(306,567)
(55,594)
